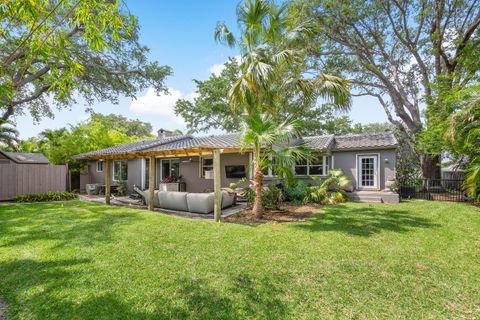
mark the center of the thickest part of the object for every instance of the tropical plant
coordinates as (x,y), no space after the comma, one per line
(329,190)
(272,75)
(464,134)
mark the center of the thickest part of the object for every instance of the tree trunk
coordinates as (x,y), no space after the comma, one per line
(258,188)
(430,166)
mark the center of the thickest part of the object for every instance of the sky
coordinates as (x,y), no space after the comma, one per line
(179,34)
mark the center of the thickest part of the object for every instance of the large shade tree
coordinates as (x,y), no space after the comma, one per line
(404,53)
(272,75)
(55,51)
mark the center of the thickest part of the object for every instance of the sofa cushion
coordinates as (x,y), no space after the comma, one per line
(173,200)
(200,202)
(227,199)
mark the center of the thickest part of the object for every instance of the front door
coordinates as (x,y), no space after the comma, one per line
(367,172)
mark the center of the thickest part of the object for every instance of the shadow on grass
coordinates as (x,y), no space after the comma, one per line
(40,290)
(71,223)
(365,221)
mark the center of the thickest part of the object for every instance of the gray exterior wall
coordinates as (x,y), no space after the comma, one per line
(190,169)
(134,174)
(347,160)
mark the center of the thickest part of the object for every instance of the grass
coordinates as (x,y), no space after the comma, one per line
(85,261)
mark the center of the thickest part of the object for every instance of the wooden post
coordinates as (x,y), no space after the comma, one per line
(151,183)
(108,179)
(217,185)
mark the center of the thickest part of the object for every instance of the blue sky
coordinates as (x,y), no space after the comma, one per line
(179,34)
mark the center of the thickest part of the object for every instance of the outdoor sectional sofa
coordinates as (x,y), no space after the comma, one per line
(186,201)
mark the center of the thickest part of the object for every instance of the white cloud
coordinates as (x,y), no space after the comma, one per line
(162,105)
(217,69)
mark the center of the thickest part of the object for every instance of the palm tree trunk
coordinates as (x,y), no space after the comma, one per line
(258,187)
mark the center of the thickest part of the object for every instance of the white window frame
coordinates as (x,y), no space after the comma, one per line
(170,161)
(113,170)
(324,165)
(269,169)
(202,166)
(103,165)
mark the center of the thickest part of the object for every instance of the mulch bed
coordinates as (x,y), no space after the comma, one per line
(286,213)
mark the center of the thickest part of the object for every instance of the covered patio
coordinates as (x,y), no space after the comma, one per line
(175,149)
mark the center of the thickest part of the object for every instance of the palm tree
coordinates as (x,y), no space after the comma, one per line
(273,75)
(8,134)
(269,139)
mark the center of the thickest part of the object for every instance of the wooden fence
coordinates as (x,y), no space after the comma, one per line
(17,179)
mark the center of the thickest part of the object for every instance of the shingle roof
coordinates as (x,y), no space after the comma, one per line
(219,141)
(321,143)
(365,140)
(26,157)
(132,147)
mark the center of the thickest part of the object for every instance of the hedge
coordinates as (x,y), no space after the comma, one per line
(45,197)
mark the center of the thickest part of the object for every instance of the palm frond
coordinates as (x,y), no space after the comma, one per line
(223,35)
(335,90)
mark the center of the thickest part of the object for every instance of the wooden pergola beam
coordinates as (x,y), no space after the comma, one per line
(108,179)
(151,183)
(217,185)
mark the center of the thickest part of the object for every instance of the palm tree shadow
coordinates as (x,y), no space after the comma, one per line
(365,221)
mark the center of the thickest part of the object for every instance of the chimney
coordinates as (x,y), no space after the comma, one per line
(162,133)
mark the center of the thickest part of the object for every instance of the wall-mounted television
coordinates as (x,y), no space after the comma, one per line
(235,172)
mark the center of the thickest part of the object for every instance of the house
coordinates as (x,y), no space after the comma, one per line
(25,173)
(367,159)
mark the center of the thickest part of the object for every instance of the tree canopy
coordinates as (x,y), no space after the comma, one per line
(404,53)
(56,51)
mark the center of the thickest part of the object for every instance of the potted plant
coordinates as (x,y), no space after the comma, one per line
(172,183)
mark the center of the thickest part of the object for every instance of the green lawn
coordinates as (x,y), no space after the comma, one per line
(85,261)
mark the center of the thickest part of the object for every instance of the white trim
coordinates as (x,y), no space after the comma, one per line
(103,165)
(376,168)
(200,166)
(333,162)
(142,173)
(250,165)
(325,167)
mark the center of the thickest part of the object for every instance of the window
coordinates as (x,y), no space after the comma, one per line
(170,167)
(316,167)
(206,164)
(100,164)
(120,170)
(235,171)
(270,171)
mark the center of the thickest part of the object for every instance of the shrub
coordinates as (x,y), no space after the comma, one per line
(122,188)
(296,192)
(272,196)
(44,197)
